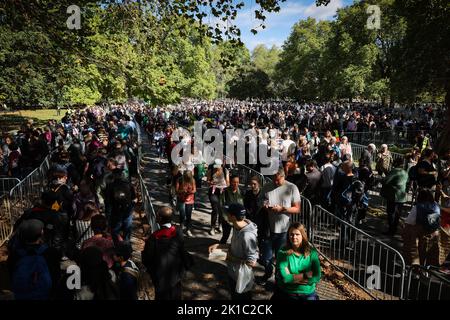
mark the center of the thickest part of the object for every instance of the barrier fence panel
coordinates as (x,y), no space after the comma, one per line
(147,204)
(358,149)
(6,184)
(425,283)
(374,266)
(21,197)
(305,215)
(5,218)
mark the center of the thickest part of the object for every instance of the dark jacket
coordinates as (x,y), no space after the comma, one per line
(55,226)
(50,255)
(163,256)
(251,204)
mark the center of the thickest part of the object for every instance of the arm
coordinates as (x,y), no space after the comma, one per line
(283,265)
(251,249)
(295,209)
(315,268)
(211,248)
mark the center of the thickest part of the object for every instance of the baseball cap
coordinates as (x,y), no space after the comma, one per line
(217,163)
(235,209)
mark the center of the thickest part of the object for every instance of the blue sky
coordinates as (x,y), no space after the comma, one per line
(278,25)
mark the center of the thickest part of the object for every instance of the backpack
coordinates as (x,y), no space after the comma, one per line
(134,271)
(98,167)
(428,216)
(355,195)
(31,279)
(121,195)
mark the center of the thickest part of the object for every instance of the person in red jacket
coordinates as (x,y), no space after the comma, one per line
(165,257)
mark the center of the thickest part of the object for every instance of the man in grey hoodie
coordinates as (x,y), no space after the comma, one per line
(243,249)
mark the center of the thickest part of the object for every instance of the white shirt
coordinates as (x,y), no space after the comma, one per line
(411,218)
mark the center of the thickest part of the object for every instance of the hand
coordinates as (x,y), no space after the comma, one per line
(251,263)
(277,209)
(213,247)
(298,278)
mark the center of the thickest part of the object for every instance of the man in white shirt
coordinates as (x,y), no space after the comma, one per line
(282,199)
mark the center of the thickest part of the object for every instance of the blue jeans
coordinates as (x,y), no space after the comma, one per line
(124,225)
(185,211)
(269,247)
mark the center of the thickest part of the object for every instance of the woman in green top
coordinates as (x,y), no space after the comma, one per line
(298,267)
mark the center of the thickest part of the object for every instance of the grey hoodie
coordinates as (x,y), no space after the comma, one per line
(244,245)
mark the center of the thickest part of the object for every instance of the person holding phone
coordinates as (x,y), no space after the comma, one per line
(282,199)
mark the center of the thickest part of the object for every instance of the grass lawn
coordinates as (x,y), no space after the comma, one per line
(10,121)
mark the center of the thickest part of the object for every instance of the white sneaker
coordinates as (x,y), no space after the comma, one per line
(189,233)
(212,231)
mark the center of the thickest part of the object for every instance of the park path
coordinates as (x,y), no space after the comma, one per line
(208,279)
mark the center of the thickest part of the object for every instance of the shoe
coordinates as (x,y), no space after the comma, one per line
(189,233)
(262,280)
(212,231)
(218,230)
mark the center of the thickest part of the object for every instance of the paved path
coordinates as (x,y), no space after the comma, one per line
(207,279)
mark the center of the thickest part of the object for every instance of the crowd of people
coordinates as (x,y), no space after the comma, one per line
(321,167)
(85,215)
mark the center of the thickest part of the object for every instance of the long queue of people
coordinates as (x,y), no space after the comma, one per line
(322,167)
(84,216)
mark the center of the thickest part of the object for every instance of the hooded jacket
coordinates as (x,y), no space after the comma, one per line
(244,246)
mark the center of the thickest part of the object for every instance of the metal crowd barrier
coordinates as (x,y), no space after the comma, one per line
(22,196)
(305,216)
(399,137)
(6,184)
(426,283)
(147,204)
(358,149)
(374,266)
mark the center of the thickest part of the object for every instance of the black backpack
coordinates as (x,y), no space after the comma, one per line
(121,195)
(98,167)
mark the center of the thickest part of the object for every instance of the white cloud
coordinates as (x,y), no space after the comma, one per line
(323,12)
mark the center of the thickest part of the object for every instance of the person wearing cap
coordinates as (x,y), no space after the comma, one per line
(126,271)
(218,180)
(28,240)
(243,248)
